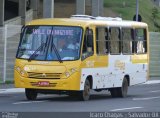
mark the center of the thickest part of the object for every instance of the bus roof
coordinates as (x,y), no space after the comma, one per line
(87,22)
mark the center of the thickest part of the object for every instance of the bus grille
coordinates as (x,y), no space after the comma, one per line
(44,75)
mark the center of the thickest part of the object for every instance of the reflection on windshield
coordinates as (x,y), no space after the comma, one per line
(42,42)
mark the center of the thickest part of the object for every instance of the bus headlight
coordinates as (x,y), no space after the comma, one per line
(70,72)
(21,71)
(18,69)
(67,74)
(73,70)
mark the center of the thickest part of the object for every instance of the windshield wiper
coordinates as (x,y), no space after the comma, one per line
(56,51)
(54,48)
(40,47)
(35,52)
(48,42)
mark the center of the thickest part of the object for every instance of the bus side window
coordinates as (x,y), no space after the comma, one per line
(102,43)
(115,40)
(140,41)
(127,41)
(87,49)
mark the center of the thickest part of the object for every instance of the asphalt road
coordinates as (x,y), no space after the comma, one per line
(141,98)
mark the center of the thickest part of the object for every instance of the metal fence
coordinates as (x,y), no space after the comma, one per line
(154,54)
(9,38)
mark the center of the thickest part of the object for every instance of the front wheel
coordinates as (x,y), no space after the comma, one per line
(31,94)
(85,94)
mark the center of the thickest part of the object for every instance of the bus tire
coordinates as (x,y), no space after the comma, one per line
(122,91)
(85,94)
(31,94)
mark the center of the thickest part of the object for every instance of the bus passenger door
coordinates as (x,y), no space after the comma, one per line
(87,57)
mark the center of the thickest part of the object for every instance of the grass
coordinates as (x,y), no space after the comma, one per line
(127,9)
(7,82)
(1,81)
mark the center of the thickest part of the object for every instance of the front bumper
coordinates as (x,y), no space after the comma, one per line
(71,83)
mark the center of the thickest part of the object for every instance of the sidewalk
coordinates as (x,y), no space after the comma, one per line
(6,86)
(154,78)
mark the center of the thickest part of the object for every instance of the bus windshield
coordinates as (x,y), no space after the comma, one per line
(50,43)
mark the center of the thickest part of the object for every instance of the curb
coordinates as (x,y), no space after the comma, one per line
(12,90)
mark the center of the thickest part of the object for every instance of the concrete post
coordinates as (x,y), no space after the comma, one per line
(48,8)
(34,6)
(137,9)
(97,7)
(101,7)
(2,12)
(80,7)
(22,11)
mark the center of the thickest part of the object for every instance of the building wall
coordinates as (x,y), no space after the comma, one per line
(88,7)
(64,9)
(17,20)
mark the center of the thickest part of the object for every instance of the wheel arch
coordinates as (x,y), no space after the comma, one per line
(90,79)
(128,79)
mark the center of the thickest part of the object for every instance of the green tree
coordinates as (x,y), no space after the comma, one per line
(155,13)
(155,16)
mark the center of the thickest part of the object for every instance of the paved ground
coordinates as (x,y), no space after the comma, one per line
(141,98)
(144,98)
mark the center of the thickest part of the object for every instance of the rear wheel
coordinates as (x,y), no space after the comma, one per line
(85,94)
(31,94)
(120,91)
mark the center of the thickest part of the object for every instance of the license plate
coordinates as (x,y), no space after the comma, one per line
(43,83)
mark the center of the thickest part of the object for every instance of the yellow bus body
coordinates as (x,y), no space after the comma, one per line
(71,75)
